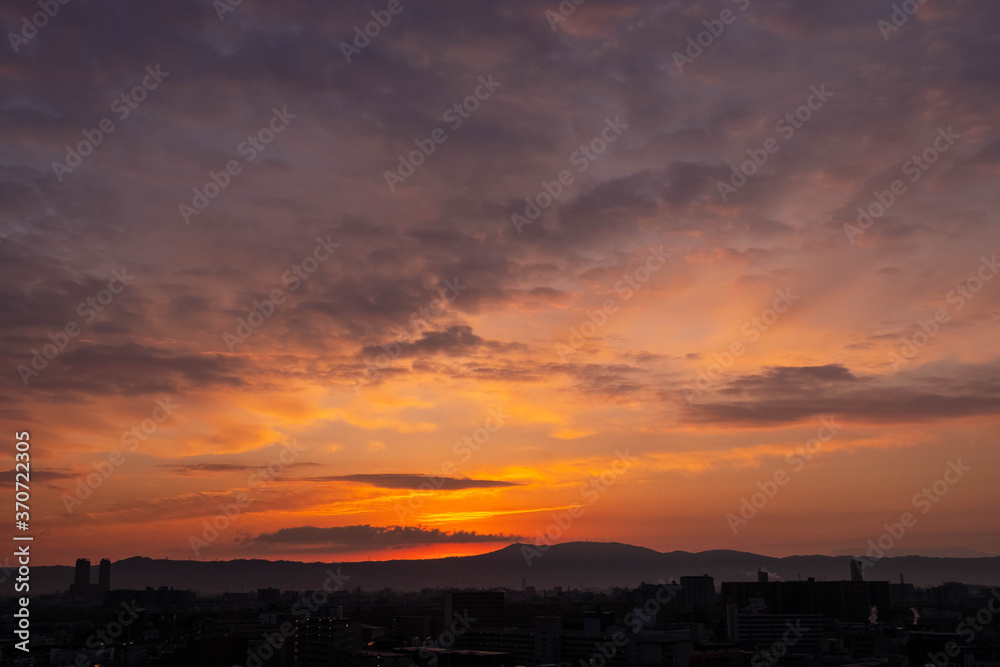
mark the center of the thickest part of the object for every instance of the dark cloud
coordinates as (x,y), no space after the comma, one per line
(614,381)
(349,538)
(611,58)
(8,477)
(787,395)
(415,482)
(454,341)
(131,369)
(791,379)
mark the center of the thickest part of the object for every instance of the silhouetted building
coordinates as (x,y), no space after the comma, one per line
(81,586)
(902,592)
(150,598)
(269,595)
(798,633)
(595,620)
(81,576)
(376,659)
(697,593)
(321,640)
(655,651)
(548,639)
(462,658)
(948,594)
(857,573)
(666,595)
(104,575)
(845,600)
(518,642)
(81,656)
(415,627)
(440,657)
(483,609)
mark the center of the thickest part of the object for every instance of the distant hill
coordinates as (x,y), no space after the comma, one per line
(574,564)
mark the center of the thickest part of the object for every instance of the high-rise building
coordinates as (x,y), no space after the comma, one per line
(857,573)
(81,576)
(104,575)
(81,586)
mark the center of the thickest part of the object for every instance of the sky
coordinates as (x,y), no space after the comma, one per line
(340,281)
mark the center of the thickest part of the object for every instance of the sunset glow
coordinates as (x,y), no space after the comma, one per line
(273,314)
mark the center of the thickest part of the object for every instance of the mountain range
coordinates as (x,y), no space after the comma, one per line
(581,565)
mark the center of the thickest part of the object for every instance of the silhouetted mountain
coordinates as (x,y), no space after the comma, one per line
(575,564)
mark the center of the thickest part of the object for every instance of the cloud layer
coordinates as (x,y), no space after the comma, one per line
(419,330)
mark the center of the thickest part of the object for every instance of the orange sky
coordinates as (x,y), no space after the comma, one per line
(643,352)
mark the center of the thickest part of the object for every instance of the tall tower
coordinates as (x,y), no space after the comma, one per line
(104,575)
(82,574)
(857,573)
